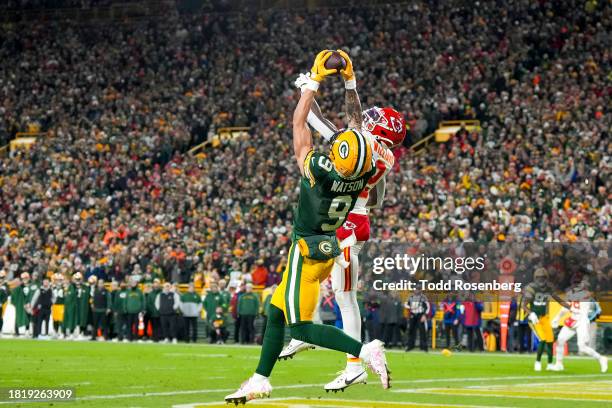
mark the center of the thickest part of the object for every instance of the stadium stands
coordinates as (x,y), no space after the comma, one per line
(111,191)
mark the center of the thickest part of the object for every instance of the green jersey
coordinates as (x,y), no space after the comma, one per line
(326,198)
(540,297)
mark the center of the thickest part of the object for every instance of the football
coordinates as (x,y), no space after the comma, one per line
(335,61)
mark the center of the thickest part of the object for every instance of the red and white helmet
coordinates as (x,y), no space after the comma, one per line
(386,124)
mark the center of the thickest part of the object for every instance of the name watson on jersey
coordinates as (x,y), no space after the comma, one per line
(423,284)
(342,187)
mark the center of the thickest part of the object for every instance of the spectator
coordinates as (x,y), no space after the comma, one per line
(512,325)
(77,308)
(391,312)
(101,307)
(42,300)
(168,304)
(151,312)
(219,333)
(451,317)
(57,310)
(18,300)
(4,295)
(248,309)
(259,275)
(327,309)
(191,306)
(471,313)
(134,309)
(119,298)
(226,296)
(234,309)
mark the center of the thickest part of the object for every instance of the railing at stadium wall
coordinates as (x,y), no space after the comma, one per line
(222,134)
(19,141)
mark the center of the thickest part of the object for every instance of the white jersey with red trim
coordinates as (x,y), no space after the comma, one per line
(383,160)
(580,307)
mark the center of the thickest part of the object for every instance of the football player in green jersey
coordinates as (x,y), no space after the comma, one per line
(535,305)
(329,187)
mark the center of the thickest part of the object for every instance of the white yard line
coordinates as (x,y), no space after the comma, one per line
(303,401)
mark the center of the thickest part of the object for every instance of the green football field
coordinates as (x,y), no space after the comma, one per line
(164,375)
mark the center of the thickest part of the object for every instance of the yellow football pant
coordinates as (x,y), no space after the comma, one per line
(298,293)
(544,329)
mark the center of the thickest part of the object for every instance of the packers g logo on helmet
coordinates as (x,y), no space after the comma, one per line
(351,154)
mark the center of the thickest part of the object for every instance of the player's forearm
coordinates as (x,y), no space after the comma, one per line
(319,123)
(302,139)
(300,114)
(563,303)
(353,109)
(377,194)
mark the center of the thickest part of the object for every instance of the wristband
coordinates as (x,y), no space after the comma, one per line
(312,85)
(350,84)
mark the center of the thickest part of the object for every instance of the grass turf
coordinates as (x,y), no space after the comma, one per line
(162,375)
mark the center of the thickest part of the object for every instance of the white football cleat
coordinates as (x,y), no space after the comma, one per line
(557,367)
(294,347)
(549,367)
(373,354)
(346,379)
(249,390)
(537,366)
(603,361)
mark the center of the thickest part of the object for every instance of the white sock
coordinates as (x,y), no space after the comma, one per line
(354,366)
(258,377)
(560,349)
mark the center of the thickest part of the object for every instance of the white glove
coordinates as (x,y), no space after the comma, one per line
(533,318)
(301,81)
(555,323)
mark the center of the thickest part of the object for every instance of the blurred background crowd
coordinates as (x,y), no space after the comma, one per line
(111,192)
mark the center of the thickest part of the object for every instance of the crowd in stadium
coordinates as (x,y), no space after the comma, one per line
(110,191)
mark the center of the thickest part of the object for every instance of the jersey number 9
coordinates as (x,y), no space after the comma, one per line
(338,209)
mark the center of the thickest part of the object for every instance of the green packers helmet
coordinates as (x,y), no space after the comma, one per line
(540,276)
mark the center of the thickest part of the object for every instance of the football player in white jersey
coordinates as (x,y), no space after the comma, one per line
(578,323)
(386,129)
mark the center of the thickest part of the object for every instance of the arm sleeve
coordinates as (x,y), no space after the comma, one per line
(325,128)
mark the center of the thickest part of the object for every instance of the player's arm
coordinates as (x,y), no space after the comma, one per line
(526,301)
(377,194)
(302,138)
(562,302)
(316,119)
(351,97)
(320,123)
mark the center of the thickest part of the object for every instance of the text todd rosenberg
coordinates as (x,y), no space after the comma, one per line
(446,285)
